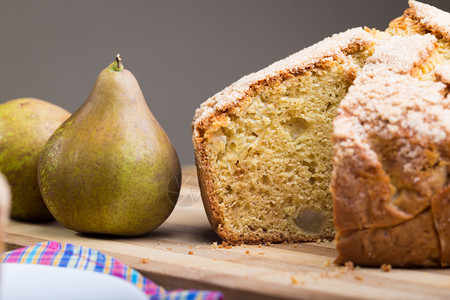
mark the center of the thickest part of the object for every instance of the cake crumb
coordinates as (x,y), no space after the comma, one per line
(170,249)
(247,252)
(190,252)
(214,245)
(386,267)
(261,253)
(295,246)
(359,278)
(259,246)
(225,245)
(268,243)
(294,280)
(145,260)
(324,274)
(326,264)
(349,265)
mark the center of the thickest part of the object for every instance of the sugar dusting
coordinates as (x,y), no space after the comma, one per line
(331,48)
(434,19)
(386,100)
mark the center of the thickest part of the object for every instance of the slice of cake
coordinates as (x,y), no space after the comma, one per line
(263,145)
(390,183)
(263,149)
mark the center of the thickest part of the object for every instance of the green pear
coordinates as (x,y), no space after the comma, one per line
(25,126)
(110,168)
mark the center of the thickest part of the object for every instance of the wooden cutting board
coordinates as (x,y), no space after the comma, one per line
(181,254)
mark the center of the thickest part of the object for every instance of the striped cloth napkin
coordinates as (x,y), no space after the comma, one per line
(83,258)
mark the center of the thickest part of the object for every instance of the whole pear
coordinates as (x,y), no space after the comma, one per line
(110,168)
(25,126)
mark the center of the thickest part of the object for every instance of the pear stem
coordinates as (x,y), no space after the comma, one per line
(118,66)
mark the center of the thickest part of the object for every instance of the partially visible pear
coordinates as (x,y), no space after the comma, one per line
(110,168)
(25,126)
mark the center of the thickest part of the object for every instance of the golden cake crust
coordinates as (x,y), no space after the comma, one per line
(390,181)
(238,94)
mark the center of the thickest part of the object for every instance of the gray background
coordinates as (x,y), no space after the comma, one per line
(181,52)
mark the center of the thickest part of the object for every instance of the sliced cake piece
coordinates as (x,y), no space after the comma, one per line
(390,182)
(263,145)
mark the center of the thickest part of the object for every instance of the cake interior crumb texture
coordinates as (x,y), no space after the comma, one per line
(269,157)
(272,159)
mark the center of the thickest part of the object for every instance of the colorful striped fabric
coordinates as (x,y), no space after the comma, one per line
(83,258)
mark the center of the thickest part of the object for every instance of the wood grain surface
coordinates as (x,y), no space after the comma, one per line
(181,254)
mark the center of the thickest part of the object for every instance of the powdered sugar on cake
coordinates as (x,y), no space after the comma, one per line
(331,48)
(389,102)
(435,20)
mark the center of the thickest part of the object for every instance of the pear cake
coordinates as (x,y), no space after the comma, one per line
(263,149)
(263,145)
(390,182)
